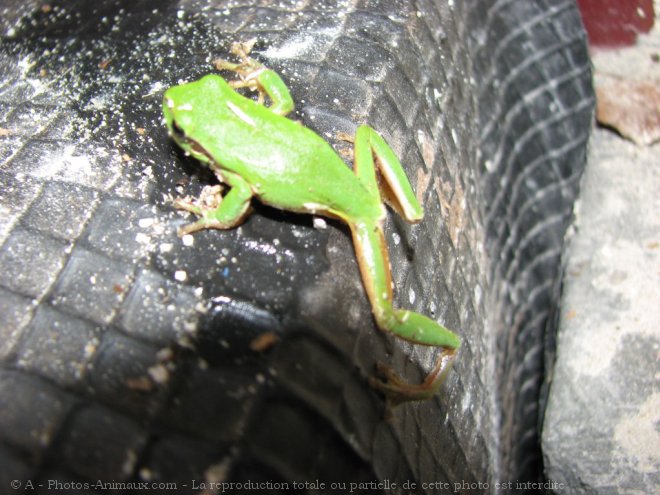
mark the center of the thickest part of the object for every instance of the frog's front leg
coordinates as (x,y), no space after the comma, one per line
(255,77)
(268,82)
(218,212)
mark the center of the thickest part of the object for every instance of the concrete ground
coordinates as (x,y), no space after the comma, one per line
(602,424)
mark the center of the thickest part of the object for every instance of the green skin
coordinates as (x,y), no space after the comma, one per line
(257,152)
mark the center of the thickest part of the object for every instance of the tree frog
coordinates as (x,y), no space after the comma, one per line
(256,151)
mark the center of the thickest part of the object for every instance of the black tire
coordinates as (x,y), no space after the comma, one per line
(115,367)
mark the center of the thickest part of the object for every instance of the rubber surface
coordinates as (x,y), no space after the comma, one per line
(129,355)
(533,177)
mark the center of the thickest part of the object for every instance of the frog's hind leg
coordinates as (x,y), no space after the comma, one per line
(385,176)
(375,270)
(371,251)
(381,173)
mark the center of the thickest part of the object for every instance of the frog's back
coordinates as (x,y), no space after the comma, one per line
(288,165)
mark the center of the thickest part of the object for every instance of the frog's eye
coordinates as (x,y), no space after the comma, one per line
(177,131)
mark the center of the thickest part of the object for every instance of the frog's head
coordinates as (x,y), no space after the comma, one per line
(185,109)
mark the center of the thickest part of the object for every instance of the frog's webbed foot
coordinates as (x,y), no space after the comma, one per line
(209,199)
(247,69)
(398,391)
(242,49)
(208,202)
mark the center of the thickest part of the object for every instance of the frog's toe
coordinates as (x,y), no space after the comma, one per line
(202,224)
(397,391)
(187,204)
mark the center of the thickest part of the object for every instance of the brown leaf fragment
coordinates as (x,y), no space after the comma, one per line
(140,384)
(263,342)
(630,107)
